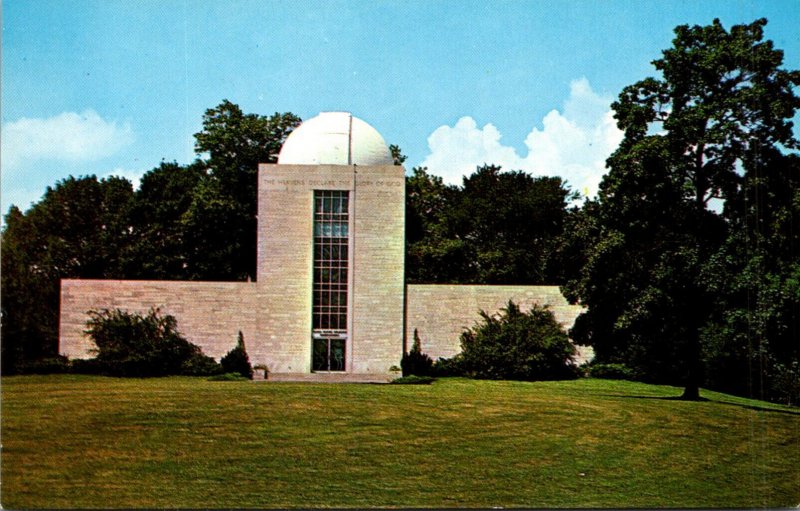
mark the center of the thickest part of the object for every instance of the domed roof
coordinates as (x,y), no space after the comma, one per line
(335,138)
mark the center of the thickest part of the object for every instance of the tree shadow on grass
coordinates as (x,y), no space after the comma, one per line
(706,400)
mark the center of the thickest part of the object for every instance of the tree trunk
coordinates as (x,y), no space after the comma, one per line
(691,392)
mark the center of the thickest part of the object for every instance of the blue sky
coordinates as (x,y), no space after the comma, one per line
(114,87)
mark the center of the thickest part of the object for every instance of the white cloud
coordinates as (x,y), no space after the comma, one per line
(69,136)
(134,176)
(573,144)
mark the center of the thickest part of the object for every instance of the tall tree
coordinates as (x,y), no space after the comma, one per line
(159,249)
(77,230)
(233,144)
(433,255)
(751,343)
(721,95)
(498,228)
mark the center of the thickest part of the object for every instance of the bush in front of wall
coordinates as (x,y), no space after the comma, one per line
(228,377)
(611,372)
(415,362)
(237,361)
(131,344)
(516,345)
(414,380)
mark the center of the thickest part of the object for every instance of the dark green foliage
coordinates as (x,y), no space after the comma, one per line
(235,376)
(200,365)
(79,229)
(130,344)
(184,222)
(785,383)
(220,224)
(751,338)
(237,361)
(50,365)
(516,345)
(414,380)
(661,274)
(453,366)
(611,372)
(398,158)
(498,228)
(415,362)
(86,366)
(159,247)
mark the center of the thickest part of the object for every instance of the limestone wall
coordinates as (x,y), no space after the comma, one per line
(285,263)
(377,268)
(209,314)
(440,313)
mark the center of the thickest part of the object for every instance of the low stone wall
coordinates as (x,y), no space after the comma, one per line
(209,314)
(441,312)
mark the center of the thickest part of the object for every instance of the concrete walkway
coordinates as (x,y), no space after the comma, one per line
(328,377)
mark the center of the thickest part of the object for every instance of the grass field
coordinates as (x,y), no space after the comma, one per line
(74,441)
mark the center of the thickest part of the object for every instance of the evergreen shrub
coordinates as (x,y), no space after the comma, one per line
(414,380)
(415,362)
(516,345)
(130,344)
(237,361)
(50,365)
(228,377)
(612,372)
(453,366)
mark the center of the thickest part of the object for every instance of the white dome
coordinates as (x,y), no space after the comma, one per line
(335,138)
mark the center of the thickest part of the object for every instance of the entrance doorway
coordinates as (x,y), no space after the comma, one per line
(328,354)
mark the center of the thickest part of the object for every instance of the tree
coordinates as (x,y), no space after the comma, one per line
(750,344)
(721,97)
(235,143)
(415,362)
(432,253)
(237,360)
(159,248)
(498,228)
(397,154)
(130,344)
(516,345)
(77,230)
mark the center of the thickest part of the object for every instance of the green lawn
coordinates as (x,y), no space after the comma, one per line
(74,441)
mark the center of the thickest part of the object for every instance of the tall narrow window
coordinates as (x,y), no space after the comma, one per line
(329,316)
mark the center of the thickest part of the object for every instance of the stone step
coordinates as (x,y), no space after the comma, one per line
(330,377)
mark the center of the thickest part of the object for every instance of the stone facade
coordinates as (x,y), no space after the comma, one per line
(275,312)
(285,260)
(439,313)
(210,314)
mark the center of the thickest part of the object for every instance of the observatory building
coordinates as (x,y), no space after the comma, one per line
(329,300)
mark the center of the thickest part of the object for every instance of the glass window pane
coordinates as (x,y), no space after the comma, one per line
(320,356)
(337,354)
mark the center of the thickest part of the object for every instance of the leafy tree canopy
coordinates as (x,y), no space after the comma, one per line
(690,137)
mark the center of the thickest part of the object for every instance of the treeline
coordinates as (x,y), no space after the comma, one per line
(184,222)
(687,261)
(691,253)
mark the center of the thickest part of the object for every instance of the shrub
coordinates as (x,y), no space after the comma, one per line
(85,366)
(785,387)
(415,362)
(51,365)
(518,346)
(237,361)
(200,365)
(414,380)
(130,344)
(444,367)
(612,372)
(228,377)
